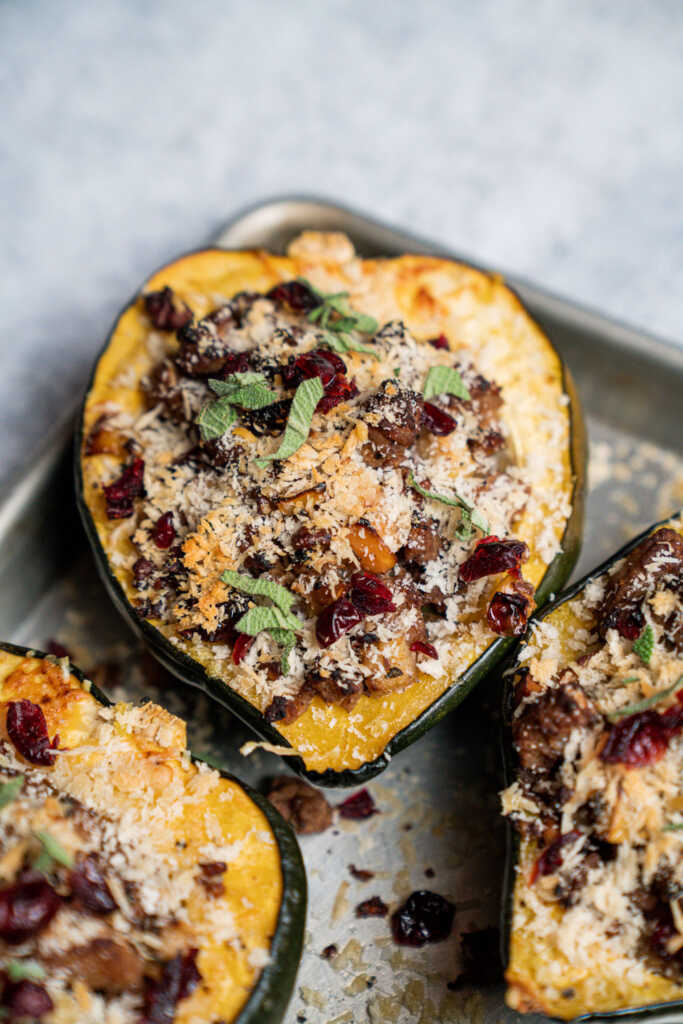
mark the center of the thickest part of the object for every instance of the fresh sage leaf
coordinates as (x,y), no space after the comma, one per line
(235,381)
(444,380)
(9,791)
(306,398)
(345,343)
(257,619)
(279,595)
(248,389)
(285,638)
(472,516)
(215,419)
(647,702)
(54,849)
(24,970)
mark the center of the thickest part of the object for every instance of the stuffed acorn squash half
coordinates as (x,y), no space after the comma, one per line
(330,490)
(136,885)
(594,716)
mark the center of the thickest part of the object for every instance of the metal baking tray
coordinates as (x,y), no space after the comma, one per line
(439,826)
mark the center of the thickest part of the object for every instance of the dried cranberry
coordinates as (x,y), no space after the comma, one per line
(238,362)
(120,494)
(305,538)
(422,647)
(166,312)
(340,390)
(437,421)
(143,570)
(335,620)
(507,614)
(424,917)
(316,363)
(359,806)
(295,294)
(163,533)
(374,907)
(27,730)
(241,647)
(90,888)
(178,980)
(493,555)
(628,622)
(440,342)
(330,368)
(369,595)
(642,738)
(26,1000)
(27,907)
(550,860)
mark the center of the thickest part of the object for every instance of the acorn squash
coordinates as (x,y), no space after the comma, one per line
(593,755)
(443,415)
(133,878)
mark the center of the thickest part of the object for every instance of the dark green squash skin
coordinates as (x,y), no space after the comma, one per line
(270,996)
(192,673)
(666,1013)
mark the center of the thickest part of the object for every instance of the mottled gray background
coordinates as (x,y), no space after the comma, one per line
(538,135)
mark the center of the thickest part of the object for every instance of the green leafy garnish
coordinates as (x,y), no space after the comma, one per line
(335,314)
(282,627)
(673,827)
(277,620)
(648,702)
(248,390)
(53,849)
(233,381)
(276,593)
(285,638)
(465,530)
(471,518)
(215,418)
(306,397)
(444,380)
(345,343)
(259,618)
(397,371)
(645,644)
(24,970)
(9,791)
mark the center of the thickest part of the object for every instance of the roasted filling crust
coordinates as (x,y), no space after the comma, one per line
(597,729)
(380,573)
(119,871)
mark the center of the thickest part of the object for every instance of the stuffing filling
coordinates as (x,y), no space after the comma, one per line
(597,723)
(99,920)
(319,499)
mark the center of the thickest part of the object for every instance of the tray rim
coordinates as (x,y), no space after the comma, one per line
(613,331)
(625,334)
